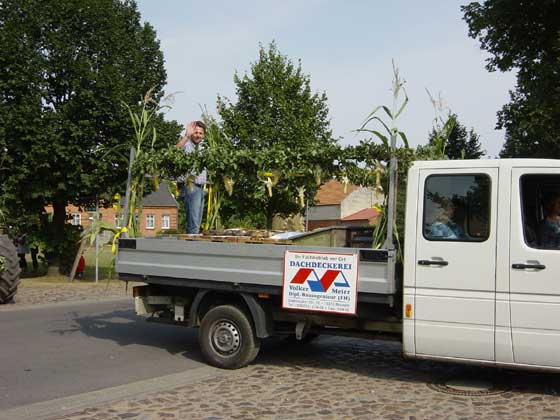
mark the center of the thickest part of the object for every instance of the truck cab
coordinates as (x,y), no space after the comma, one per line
(480,282)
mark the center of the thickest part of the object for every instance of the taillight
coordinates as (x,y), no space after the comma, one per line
(408,310)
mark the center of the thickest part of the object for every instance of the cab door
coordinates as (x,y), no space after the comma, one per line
(455,263)
(534,271)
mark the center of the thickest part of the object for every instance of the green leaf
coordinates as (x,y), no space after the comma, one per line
(382,137)
(372,113)
(404,139)
(403,106)
(378,119)
(387,111)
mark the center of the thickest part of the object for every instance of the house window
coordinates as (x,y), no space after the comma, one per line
(165,221)
(118,221)
(76,219)
(150,221)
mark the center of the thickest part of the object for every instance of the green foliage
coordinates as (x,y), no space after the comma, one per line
(68,65)
(2,264)
(524,37)
(280,132)
(460,143)
(248,221)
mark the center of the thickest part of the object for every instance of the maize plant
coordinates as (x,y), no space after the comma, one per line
(221,176)
(443,124)
(145,136)
(388,134)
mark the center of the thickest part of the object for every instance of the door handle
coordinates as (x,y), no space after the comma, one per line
(525,266)
(432,262)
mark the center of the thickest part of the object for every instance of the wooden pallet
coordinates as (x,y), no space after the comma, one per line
(266,241)
(234,239)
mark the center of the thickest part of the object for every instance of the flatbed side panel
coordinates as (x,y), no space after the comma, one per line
(260,264)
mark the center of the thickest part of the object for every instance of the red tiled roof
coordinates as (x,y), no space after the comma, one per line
(332,192)
(364,214)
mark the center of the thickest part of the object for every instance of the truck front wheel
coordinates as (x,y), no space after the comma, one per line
(227,338)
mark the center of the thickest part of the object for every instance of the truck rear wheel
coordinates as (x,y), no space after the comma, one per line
(9,272)
(227,338)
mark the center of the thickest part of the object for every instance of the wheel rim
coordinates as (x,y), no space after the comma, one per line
(226,338)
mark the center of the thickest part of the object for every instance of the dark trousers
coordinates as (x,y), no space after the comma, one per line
(34,261)
(22,262)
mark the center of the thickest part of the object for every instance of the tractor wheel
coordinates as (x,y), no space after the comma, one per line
(9,270)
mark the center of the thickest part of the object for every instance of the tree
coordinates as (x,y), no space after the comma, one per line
(68,68)
(461,144)
(280,130)
(524,36)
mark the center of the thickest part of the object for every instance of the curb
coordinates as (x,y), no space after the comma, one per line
(68,405)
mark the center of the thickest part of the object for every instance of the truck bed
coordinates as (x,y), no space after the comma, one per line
(171,261)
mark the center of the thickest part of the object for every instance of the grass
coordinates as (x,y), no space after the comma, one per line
(106,270)
(106,257)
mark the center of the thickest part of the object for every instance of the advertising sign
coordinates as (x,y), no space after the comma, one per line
(321,282)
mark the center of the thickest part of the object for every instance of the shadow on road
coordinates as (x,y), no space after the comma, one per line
(125,328)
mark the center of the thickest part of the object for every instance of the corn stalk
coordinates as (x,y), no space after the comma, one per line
(388,133)
(220,183)
(145,136)
(443,125)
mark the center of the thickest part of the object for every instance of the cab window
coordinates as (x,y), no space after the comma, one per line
(457,208)
(540,202)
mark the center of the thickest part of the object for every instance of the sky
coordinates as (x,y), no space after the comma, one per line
(347,49)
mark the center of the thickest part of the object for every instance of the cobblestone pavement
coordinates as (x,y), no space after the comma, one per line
(331,378)
(40,290)
(335,378)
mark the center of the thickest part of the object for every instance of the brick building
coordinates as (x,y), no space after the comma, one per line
(160,212)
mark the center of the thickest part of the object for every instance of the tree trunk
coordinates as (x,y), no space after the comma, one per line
(59,219)
(269,216)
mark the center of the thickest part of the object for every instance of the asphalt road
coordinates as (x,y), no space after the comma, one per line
(55,351)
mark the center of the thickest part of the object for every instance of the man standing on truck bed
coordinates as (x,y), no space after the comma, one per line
(193,192)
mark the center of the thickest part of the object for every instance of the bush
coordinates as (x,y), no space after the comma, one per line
(248,221)
(168,232)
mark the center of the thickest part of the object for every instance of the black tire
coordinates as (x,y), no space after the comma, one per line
(9,277)
(227,338)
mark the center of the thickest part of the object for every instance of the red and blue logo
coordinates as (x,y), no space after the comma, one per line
(322,284)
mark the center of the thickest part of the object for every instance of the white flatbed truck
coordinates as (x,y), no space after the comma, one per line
(487,294)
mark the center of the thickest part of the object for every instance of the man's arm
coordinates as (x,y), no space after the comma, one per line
(190,130)
(181,143)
